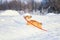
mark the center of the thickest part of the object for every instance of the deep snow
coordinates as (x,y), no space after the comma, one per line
(13,27)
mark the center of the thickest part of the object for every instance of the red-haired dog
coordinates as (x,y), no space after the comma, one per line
(33,22)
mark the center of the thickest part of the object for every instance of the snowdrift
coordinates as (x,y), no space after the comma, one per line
(9,13)
(15,28)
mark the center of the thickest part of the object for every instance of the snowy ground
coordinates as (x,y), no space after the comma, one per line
(13,27)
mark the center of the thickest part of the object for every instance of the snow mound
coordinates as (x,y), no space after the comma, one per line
(10,13)
(51,14)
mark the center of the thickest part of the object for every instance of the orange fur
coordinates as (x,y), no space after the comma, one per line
(33,22)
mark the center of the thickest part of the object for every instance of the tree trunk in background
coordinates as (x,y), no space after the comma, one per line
(18,5)
(55,4)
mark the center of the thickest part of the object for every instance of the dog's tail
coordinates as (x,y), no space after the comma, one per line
(43,29)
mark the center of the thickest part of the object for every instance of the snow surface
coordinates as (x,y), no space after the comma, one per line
(14,27)
(9,13)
